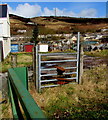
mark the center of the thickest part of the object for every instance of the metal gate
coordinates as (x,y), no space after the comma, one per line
(55,69)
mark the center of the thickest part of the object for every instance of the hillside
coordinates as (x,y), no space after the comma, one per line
(53,25)
(83,20)
(22,19)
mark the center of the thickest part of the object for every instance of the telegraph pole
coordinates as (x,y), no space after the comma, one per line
(55,12)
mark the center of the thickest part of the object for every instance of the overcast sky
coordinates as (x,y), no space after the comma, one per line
(72,9)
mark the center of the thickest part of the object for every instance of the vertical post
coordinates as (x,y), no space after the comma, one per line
(39,72)
(78,57)
(14,60)
(81,63)
(55,12)
(34,64)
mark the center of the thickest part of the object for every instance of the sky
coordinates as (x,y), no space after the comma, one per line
(72,9)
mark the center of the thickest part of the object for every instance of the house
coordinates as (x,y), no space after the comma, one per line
(104,30)
(21,31)
(28,47)
(14,48)
(43,47)
(86,38)
(5,46)
(73,39)
(98,37)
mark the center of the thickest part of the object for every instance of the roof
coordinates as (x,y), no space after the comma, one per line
(3,10)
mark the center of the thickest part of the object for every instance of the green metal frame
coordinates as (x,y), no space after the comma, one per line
(18,85)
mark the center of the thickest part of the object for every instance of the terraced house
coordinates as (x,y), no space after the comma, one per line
(4,32)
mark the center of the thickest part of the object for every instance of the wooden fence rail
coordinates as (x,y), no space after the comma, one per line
(23,105)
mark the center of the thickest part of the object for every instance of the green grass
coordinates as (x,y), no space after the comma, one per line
(87,101)
(6,110)
(23,59)
(77,102)
(102,53)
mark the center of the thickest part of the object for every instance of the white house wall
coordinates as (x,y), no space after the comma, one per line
(6,47)
(6,27)
(5,35)
(1,29)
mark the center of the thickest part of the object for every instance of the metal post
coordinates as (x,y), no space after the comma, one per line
(34,65)
(39,72)
(36,73)
(78,57)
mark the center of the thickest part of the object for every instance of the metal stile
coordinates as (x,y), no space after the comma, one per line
(58,61)
(78,56)
(43,80)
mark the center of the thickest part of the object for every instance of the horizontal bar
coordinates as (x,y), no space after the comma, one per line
(56,74)
(74,60)
(48,74)
(31,108)
(49,86)
(71,78)
(57,84)
(49,69)
(53,54)
(48,80)
(69,73)
(70,67)
(56,68)
(57,80)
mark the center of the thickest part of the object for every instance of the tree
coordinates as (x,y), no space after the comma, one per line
(35,40)
(35,35)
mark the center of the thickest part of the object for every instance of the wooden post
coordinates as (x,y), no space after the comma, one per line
(81,63)
(14,60)
(81,60)
(35,67)
(107,82)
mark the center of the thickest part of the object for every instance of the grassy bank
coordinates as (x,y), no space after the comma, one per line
(87,101)
(78,102)
(23,59)
(98,53)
